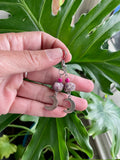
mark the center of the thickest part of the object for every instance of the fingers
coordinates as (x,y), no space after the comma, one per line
(42,94)
(31,107)
(34,103)
(26,61)
(51,75)
(31,41)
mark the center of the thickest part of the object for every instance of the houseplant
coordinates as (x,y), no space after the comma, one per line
(86,42)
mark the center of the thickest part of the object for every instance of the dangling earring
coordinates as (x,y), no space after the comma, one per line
(68,87)
(57,87)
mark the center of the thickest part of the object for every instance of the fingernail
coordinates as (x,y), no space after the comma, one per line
(54,54)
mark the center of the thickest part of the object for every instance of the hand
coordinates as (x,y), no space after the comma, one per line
(35,53)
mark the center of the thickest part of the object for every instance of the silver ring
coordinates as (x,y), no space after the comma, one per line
(26,74)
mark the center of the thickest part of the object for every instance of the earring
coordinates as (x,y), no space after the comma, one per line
(68,87)
(57,87)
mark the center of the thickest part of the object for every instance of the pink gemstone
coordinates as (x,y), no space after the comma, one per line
(60,80)
(67,80)
(68,87)
(57,86)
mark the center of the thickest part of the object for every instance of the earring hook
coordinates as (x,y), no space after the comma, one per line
(64,54)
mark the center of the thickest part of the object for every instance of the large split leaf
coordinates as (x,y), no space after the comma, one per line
(51,132)
(104,116)
(84,39)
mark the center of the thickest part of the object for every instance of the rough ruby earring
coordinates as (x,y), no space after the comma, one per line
(57,87)
(68,87)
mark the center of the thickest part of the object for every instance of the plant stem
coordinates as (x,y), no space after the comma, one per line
(74,153)
(19,126)
(38,26)
(17,135)
(22,134)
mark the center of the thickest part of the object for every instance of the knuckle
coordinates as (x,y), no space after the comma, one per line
(29,108)
(15,41)
(3,64)
(32,58)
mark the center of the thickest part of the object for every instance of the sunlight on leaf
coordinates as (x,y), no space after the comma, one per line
(6,148)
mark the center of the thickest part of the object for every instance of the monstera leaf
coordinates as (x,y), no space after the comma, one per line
(104,116)
(84,39)
(51,132)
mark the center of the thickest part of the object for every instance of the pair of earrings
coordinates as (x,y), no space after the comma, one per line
(59,86)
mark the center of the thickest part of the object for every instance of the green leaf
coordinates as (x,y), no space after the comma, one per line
(99,63)
(19,152)
(6,148)
(7,119)
(104,116)
(55,24)
(28,118)
(77,129)
(84,39)
(51,132)
(19,20)
(73,69)
(77,35)
(47,134)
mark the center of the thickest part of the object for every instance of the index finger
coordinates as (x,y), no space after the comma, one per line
(36,40)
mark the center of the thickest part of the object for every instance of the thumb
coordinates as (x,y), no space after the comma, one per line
(13,62)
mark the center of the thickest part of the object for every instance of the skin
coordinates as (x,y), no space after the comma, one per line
(35,53)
